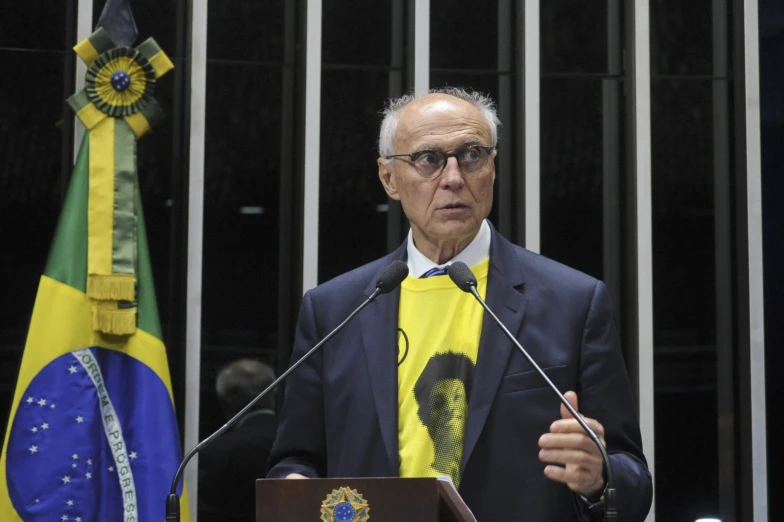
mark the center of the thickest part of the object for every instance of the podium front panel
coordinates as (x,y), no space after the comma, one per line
(388,500)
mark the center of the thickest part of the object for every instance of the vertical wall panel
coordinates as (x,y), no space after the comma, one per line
(755,395)
(312,144)
(531,101)
(641,136)
(84,28)
(198,88)
(421,46)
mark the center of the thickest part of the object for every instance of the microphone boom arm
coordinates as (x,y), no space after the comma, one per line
(173,501)
(610,513)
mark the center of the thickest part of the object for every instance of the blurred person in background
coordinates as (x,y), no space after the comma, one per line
(229,467)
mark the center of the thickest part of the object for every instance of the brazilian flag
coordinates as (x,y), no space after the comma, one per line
(92,434)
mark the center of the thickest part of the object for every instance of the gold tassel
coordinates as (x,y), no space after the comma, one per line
(110,319)
(115,287)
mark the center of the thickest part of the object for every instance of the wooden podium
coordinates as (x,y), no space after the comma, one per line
(387,500)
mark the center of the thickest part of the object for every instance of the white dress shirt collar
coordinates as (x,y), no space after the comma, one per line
(477,251)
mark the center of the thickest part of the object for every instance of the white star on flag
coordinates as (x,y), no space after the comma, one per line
(33,449)
(42,402)
(35,429)
(75,456)
(64,518)
(89,476)
(70,502)
(80,419)
(89,462)
(72,369)
(52,406)
(78,519)
(45,426)
(132,455)
(73,465)
(37,500)
(66,479)
(30,400)
(111,469)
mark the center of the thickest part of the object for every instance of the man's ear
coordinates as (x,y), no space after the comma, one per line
(387,178)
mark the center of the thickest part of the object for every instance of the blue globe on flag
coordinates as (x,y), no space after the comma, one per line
(91,440)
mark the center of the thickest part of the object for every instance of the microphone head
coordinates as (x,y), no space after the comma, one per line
(462,276)
(392,276)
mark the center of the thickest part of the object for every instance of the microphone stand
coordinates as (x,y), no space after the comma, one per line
(173,500)
(610,511)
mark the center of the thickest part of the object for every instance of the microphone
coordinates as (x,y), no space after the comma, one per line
(462,276)
(389,279)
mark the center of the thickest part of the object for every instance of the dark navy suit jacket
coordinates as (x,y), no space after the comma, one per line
(340,417)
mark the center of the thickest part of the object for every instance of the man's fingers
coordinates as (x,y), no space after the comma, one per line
(578,479)
(572,426)
(579,458)
(575,441)
(572,398)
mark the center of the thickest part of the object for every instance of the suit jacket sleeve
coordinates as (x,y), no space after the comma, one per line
(605,394)
(300,445)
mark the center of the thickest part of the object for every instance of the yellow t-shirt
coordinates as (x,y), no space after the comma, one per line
(439,327)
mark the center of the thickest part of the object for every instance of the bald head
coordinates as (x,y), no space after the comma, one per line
(434,100)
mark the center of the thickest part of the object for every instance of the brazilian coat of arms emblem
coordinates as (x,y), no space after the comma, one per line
(345,505)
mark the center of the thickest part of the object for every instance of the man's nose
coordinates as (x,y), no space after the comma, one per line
(452,176)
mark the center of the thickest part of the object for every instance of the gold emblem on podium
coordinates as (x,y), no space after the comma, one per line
(345,505)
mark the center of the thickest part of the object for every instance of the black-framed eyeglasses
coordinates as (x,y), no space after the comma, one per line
(428,163)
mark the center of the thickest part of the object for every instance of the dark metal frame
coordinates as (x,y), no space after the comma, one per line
(292,180)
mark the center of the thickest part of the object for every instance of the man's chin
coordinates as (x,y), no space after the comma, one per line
(456,229)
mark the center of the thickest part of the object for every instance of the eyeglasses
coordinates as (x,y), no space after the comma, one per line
(429,163)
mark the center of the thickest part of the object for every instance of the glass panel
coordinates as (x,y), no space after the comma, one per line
(772,113)
(572,35)
(242,173)
(350,193)
(357,32)
(30,197)
(26,25)
(684,299)
(246,31)
(573,169)
(464,35)
(681,37)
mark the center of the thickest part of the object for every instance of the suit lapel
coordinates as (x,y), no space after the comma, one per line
(504,297)
(379,338)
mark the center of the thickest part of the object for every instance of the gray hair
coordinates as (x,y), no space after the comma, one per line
(394,107)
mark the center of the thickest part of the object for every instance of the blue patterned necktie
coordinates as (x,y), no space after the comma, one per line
(435,272)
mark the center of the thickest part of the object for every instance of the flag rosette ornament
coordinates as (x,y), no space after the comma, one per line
(117,107)
(120,82)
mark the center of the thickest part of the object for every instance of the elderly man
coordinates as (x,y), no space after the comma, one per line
(354,410)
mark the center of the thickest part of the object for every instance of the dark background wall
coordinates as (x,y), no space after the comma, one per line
(772,116)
